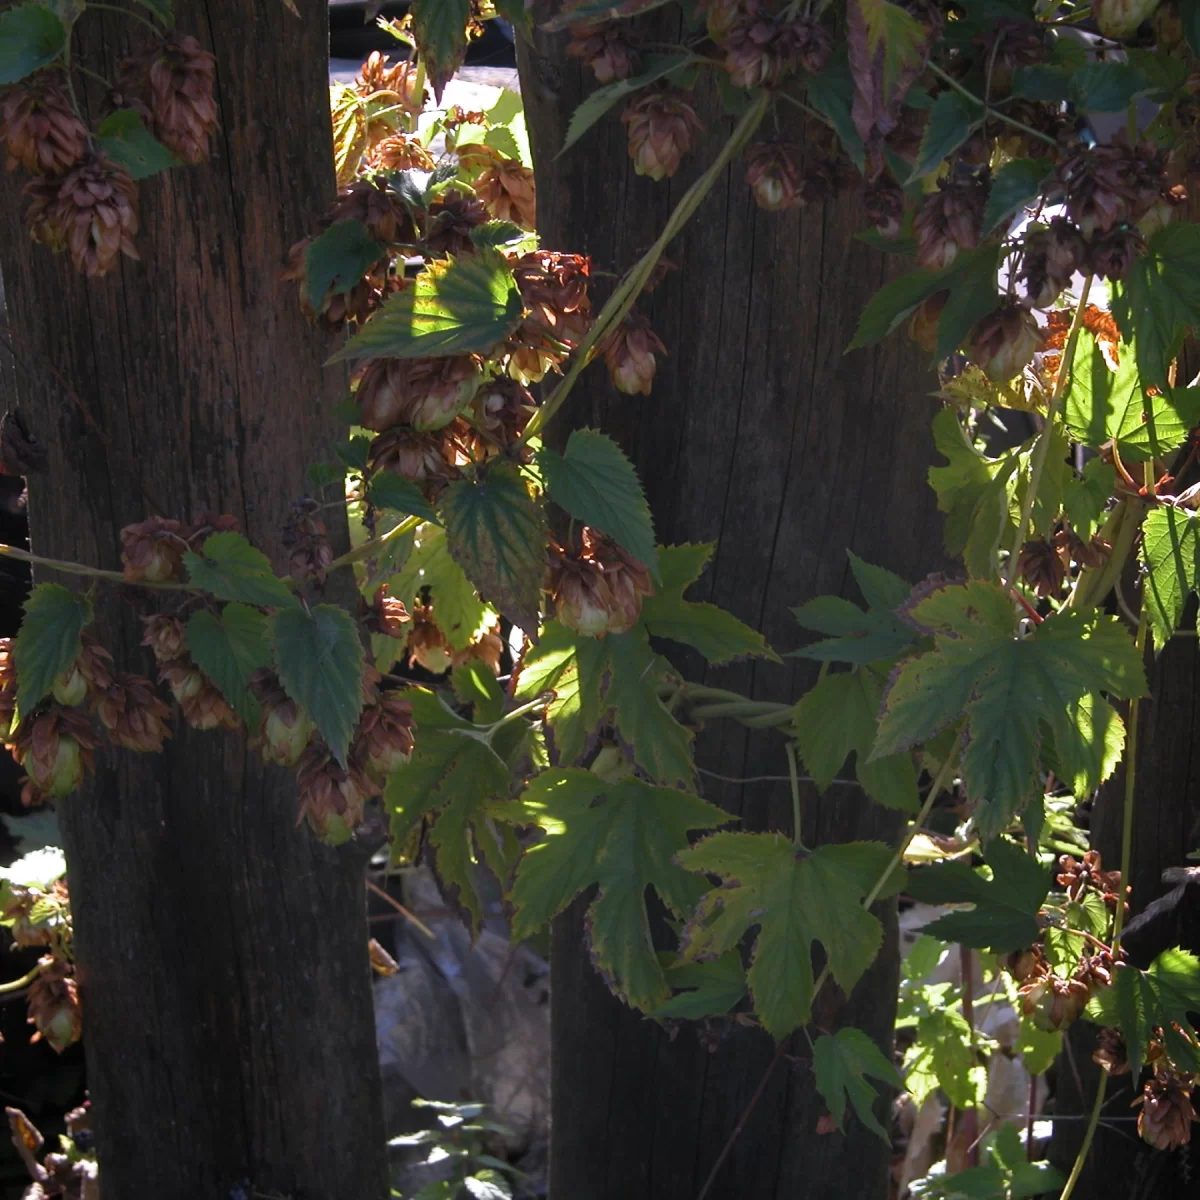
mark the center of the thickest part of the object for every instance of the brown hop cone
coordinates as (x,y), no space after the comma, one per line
(499,414)
(554,290)
(39,127)
(1023,965)
(488,648)
(1093,553)
(1110,1052)
(606,48)
(884,202)
(55,747)
(391,83)
(285,729)
(1076,876)
(305,536)
(629,353)
(452,216)
(373,203)
(1005,341)
(152,550)
(1111,184)
(507,189)
(1042,567)
(20,452)
(761,49)
(384,738)
(1008,45)
(923,324)
(52,923)
(1167,1114)
(95,213)
(165,636)
(180,76)
(426,459)
(203,705)
(427,645)
(399,152)
(809,43)
(53,1004)
(1111,254)
(599,590)
(1066,251)
(425,393)
(41,214)
(95,664)
(773,175)
(387,614)
(662,128)
(1053,1003)
(355,305)
(949,220)
(332,798)
(133,715)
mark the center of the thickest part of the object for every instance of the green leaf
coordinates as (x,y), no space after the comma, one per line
(571,668)
(896,301)
(1171,556)
(713,988)
(337,259)
(394,492)
(48,641)
(452,782)
(496,532)
(717,634)
(795,899)
(596,484)
(597,103)
(232,569)
(31,37)
(1038,1049)
(440,27)
(835,719)
(1106,86)
(1085,499)
(320,664)
(1015,185)
(1089,739)
(493,235)
(455,306)
(944,1056)
(1005,685)
(123,137)
(902,37)
(474,683)
(1051,85)
(841,1065)
(1005,908)
(457,609)
(949,126)
(1159,299)
(229,649)
(972,296)
(624,838)
(831,93)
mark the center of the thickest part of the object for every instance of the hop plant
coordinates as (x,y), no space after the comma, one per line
(599,590)
(427,645)
(174,82)
(39,127)
(424,393)
(152,550)
(1166,1116)
(607,49)
(630,353)
(285,729)
(91,213)
(53,1005)
(773,175)
(662,128)
(132,714)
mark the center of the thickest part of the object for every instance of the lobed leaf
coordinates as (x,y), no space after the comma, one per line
(229,648)
(31,37)
(48,641)
(231,569)
(842,1063)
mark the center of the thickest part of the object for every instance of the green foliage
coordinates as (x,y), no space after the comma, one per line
(596,484)
(1007,1175)
(397,494)
(459,611)
(1085,497)
(841,1064)
(123,137)
(31,37)
(1006,685)
(623,837)
(717,634)
(795,899)
(320,663)
(440,27)
(496,532)
(229,649)
(836,719)
(231,569)
(1015,185)
(48,640)
(901,36)
(1004,912)
(474,683)
(1171,556)
(455,306)
(337,259)
(950,121)
(712,988)
(943,1056)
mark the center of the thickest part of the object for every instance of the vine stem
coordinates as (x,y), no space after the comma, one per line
(794,780)
(628,290)
(407,914)
(945,77)
(17,984)
(1042,449)
(1131,749)
(376,543)
(73,568)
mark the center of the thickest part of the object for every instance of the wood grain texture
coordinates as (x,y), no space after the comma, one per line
(222,951)
(762,436)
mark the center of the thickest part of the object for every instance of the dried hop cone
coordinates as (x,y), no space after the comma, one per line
(175,80)
(152,550)
(499,414)
(950,220)
(1005,341)
(424,393)
(599,590)
(285,729)
(203,705)
(310,551)
(606,48)
(1111,184)
(391,83)
(507,189)
(773,175)
(1053,1003)
(1111,254)
(1076,876)
(39,127)
(884,202)
(427,645)
(452,217)
(1167,1114)
(95,664)
(53,1004)
(332,798)
(1042,567)
(629,353)
(426,459)
(662,128)
(93,213)
(488,649)
(132,714)
(165,636)
(387,615)
(399,152)
(554,291)
(55,747)
(384,738)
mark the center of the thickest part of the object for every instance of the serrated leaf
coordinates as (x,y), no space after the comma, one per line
(1171,556)
(440,28)
(1005,908)
(1089,739)
(972,296)
(944,1056)
(842,1063)
(836,719)
(394,492)
(795,899)
(1042,82)
(229,649)
(1086,498)
(1015,185)
(31,37)
(716,633)
(571,669)
(831,93)
(474,683)
(712,988)
(454,306)
(231,569)
(496,532)
(337,259)
(597,103)
(48,641)
(124,139)
(492,235)
(1106,86)
(320,663)
(457,609)
(949,125)
(595,483)
(624,838)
